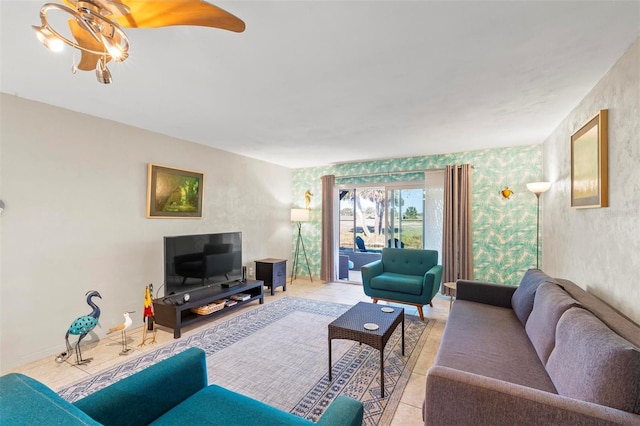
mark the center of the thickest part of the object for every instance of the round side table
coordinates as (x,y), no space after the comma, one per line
(452,292)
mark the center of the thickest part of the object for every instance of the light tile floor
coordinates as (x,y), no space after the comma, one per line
(105,351)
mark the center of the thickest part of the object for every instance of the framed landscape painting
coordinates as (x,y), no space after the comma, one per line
(174,193)
(589,169)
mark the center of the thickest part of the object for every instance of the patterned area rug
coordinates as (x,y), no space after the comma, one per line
(277,353)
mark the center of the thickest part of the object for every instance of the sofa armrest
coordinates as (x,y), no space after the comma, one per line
(487,293)
(369,271)
(455,397)
(146,395)
(26,401)
(342,411)
(432,280)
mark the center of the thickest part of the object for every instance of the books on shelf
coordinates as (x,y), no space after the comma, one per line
(226,302)
(241,297)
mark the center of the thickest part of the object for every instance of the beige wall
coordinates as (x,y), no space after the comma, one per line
(75,191)
(599,249)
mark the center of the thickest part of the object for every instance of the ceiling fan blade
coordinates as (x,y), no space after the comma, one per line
(88,61)
(163,13)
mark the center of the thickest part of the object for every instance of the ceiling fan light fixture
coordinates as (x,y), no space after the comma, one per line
(95,33)
(48,39)
(102,72)
(96,26)
(117,52)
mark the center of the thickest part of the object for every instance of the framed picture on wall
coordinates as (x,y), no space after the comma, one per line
(589,169)
(174,193)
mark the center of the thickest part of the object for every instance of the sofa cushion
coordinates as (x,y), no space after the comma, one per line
(592,363)
(184,374)
(215,405)
(490,341)
(620,324)
(409,261)
(523,297)
(549,304)
(399,283)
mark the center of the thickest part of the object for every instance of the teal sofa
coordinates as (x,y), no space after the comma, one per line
(173,391)
(408,276)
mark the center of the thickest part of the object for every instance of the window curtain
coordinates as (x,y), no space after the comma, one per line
(457,247)
(329,252)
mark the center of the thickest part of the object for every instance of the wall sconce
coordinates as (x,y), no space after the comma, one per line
(307,199)
(506,193)
(1,206)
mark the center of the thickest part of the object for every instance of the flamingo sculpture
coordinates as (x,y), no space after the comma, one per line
(81,326)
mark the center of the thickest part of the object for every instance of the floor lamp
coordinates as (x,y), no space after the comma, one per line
(299,216)
(538,188)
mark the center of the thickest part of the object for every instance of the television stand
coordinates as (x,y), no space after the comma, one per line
(170,314)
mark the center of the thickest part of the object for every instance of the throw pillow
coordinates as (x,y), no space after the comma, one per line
(549,304)
(522,299)
(592,363)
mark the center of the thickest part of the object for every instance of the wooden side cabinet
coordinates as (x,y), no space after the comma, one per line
(273,272)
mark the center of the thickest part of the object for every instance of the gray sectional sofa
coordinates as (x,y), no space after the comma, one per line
(543,353)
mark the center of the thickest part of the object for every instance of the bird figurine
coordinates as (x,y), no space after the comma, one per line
(122,328)
(148,315)
(81,327)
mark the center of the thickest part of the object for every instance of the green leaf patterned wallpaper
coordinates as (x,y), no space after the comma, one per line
(504,231)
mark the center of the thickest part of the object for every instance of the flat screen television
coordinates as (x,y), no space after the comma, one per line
(196,261)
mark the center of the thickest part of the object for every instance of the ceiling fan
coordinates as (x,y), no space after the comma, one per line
(96,26)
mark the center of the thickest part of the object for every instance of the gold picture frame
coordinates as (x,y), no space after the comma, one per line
(589,164)
(174,193)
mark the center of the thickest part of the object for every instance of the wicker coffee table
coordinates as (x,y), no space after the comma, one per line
(350,325)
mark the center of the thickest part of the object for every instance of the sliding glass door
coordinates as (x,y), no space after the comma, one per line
(399,214)
(434,211)
(362,218)
(405,216)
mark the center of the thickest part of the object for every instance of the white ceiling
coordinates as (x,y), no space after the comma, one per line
(319,82)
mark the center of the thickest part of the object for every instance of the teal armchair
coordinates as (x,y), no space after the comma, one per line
(407,276)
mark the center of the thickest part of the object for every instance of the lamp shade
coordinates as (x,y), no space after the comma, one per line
(538,187)
(299,215)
